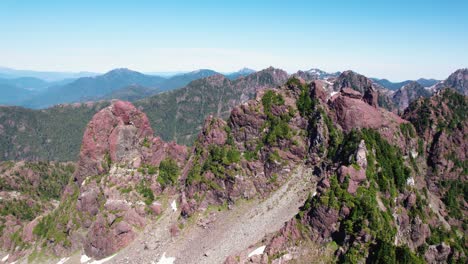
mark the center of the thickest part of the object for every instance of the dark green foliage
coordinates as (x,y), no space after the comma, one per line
(456,194)
(269,99)
(168,172)
(53,227)
(20,209)
(430,111)
(293,82)
(131,93)
(230,138)
(391,171)
(144,189)
(250,155)
(147,169)
(52,134)
(405,256)
(385,252)
(424,113)
(233,155)
(304,103)
(52,179)
(194,175)
(407,130)
(420,146)
(278,127)
(146,143)
(219,158)
(334,135)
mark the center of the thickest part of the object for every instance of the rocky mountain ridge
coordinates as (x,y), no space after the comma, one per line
(371,204)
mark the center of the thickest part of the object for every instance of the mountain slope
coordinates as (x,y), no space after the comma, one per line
(409,93)
(186,108)
(181,80)
(457,80)
(50,134)
(91,88)
(240,73)
(12,95)
(131,93)
(28,83)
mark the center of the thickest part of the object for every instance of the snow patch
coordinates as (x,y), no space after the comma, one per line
(410,181)
(315,193)
(4,259)
(333,93)
(164,260)
(258,251)
(84,259)
(63,260)
(174,205)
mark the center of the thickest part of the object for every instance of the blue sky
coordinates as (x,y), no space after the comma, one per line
(392,39)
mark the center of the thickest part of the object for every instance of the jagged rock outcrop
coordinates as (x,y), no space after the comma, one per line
(437,254)
(360,83)
(247,155)
(116,178)
(112,136)
(442,124)
(457,80)
(409,93)
(352,112)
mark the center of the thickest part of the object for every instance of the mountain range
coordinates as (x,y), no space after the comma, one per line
(282,170)
(397,85)
(32,134)
(36,93)
(49,76)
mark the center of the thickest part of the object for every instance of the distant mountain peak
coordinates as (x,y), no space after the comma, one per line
(246,70)
(121,71)
(315,74)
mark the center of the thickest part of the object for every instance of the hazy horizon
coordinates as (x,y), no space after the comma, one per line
(395,40)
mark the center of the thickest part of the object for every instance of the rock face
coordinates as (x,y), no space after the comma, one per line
(352,112)
(437,253)
(409,93)
(457,80)
(111,136)
(442,124)
(117,152)
(219,177)
(360,83)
